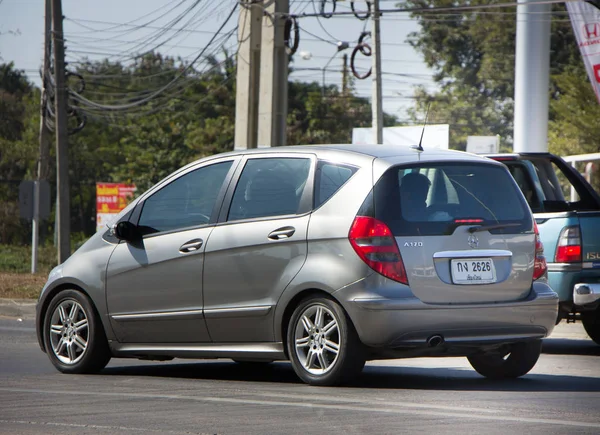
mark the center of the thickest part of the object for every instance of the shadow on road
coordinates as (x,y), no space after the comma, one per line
(562,346)
(379,376)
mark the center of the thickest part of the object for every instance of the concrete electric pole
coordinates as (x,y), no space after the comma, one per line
(42,169)
(345,85)
(272,105)
(376,103)
(532,80)
(62,147)
(248,74)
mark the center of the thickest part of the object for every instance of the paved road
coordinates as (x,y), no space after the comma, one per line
(442,396)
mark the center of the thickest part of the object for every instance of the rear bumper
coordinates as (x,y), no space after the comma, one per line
(564,282)
(407,322)
(586,294)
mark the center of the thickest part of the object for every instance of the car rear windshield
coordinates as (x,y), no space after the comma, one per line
(435,198)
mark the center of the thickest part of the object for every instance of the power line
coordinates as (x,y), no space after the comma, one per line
(156,93)
(442,9)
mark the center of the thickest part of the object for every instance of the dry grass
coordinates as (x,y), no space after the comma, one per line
(21,285)
(15,264)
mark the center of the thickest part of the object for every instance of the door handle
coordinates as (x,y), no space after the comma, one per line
(282,233)
(191,246)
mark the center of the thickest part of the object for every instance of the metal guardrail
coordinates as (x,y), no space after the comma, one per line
(588,168)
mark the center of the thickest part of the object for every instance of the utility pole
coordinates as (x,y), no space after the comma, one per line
(248,74)
(273,76)
(345,75)
(42,169)
(62,146)
(376,104)
(532,81)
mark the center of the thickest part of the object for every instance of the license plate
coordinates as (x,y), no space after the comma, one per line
(473,271)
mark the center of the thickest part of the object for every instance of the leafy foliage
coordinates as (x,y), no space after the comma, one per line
(144,144)
(473,56)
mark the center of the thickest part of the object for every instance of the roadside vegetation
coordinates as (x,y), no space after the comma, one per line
(16,281)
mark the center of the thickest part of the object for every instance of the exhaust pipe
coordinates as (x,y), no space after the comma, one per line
(435,340)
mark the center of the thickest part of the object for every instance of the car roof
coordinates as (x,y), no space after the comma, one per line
(407,153)
(517,156)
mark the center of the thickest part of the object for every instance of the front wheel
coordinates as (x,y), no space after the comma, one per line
(591,324)
(74,337)
(509,362)
(323,345)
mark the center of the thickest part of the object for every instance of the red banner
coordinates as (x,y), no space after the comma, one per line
(111,198)
(585,20)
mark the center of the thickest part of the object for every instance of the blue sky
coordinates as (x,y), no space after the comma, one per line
(90,25)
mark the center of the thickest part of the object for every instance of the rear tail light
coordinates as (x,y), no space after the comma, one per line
(375,245)
(568,249)
(539,266)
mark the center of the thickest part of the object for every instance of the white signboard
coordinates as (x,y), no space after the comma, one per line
(483,144)
(585,20)
(435,136)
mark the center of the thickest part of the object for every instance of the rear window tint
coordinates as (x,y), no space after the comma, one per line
(430,199)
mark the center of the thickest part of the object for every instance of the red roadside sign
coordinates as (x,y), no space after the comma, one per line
(111,198)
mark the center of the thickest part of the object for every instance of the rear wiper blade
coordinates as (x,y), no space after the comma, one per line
(492,227)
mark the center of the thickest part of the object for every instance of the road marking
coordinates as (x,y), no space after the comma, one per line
(93,426)
(338,407)
(16,328)
(375,401)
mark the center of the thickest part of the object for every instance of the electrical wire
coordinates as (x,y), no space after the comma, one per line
(446,8)
(158,92)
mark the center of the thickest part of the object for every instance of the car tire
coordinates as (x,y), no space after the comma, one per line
(322,343)
(591,324)
(74,337)
(512,362)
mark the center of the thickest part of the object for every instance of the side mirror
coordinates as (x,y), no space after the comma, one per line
(127,231)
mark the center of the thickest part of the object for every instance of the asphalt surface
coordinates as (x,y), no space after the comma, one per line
(428,395)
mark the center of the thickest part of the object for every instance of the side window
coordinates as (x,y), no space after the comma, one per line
(519,173)
(269,187)
(549,181)
(329,178)
(442,191)
(185,202)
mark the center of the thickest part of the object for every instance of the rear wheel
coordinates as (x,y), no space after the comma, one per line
(591,324)
(74,337)
(509,362)
(323,345)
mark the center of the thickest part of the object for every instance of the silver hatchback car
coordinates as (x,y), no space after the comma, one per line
(327,256)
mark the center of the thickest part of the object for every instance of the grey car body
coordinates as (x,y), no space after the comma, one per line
(233,274)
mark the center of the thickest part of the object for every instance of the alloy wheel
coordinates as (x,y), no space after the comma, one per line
(69,332)
(317,339)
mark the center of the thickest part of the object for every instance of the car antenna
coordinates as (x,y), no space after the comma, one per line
(420,146)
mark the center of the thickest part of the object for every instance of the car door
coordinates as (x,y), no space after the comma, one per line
(258,247)
(154,286)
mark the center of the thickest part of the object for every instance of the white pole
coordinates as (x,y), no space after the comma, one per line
(35,225)
(376,104)
(574,196)
(532,82)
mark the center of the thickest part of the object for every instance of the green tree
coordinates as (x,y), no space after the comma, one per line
(574,128)
(473,56)
(18,114)
(146,142)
